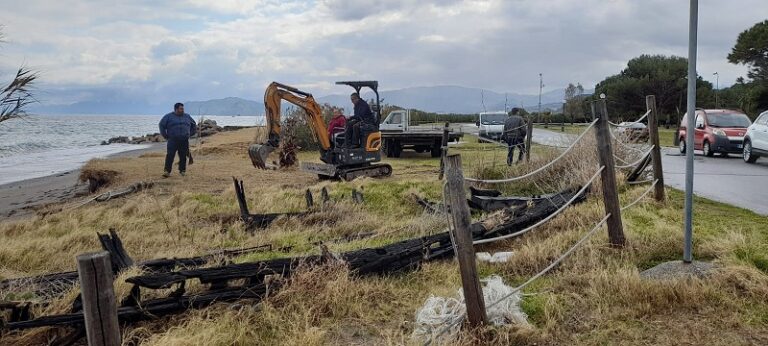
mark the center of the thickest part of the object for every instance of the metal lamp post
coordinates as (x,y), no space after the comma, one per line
(690,128)
(717,89)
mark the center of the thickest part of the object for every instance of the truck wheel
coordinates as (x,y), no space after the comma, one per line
(436,150)
(388,148)
(681,145)
(397,149)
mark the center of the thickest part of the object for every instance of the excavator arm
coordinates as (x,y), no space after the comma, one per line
(273,96)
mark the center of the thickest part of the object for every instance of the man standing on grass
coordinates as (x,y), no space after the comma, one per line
(514,135)
(176,127)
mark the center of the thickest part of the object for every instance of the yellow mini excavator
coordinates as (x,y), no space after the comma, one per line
(338,161)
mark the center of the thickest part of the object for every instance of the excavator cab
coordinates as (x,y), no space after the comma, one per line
(337,161)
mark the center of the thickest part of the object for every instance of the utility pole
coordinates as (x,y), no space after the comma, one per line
(692,45)
(541,86)
(717,89)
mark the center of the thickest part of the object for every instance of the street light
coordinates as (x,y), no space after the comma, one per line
(717,88)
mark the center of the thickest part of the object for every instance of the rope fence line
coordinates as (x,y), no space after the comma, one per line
(633,164)
(641,196)
(530,280)
(540,169)
(621,142)
(546,219)
(632,123)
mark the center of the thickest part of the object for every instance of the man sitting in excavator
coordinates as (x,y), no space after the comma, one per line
(362,120)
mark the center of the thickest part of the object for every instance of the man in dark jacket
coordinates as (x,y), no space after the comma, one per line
(363,119)
(514,135)
(177,127)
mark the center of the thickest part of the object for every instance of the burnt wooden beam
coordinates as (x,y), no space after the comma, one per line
(400,256)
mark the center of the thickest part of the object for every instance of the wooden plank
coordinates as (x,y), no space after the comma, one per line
(465,252)
(608,176)
(653,130)
(99,302)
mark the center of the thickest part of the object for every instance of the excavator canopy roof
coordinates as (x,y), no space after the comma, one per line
(360,84)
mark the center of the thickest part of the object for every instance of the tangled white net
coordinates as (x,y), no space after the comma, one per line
(438,312)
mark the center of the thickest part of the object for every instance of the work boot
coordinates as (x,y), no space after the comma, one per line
(183,173)
(166,174)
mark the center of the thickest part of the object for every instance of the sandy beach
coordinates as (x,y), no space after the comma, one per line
(19,199)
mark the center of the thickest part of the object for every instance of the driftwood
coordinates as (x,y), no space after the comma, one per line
(57,283)
(248,280)
(254,221)
(491,200)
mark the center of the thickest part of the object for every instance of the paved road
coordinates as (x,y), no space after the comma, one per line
(728,180)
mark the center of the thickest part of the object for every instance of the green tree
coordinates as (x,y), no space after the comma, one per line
(663,76)
(751,49)
(574,101)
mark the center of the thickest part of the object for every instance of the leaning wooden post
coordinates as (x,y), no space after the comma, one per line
(608,176)
(457,203)
(529,135)
(653,130)
(444,149)
(98,295)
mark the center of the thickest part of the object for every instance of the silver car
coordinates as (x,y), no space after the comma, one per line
(756,139)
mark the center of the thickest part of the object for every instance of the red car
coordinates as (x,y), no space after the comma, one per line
(717,131)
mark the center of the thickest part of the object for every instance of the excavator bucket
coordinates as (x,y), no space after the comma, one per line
(259,154)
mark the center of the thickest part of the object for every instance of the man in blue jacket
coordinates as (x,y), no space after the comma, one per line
(177,127)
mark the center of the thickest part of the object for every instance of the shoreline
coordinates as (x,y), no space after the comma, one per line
(19,198)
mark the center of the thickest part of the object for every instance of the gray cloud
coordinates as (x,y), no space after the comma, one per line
(190,49)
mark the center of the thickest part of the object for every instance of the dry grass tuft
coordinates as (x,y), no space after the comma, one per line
(97,176)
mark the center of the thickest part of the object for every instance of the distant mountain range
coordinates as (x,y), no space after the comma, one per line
(439,99)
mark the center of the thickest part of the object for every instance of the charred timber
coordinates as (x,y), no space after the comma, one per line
(247,280)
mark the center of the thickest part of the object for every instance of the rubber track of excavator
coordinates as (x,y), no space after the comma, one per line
(373,171)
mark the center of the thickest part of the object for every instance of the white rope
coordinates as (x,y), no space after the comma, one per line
(557,212)
(624,144)
(633,164)
(641,196)
(507,180)
(632,123)
(639,182)
(532,279)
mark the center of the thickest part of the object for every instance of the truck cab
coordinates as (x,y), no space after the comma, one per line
(491,124)
(396,121)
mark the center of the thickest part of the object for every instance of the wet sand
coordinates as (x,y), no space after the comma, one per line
(19,199)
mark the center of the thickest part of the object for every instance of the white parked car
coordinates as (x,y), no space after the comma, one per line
(756,139)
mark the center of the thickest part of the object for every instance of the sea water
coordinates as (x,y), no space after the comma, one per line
(41,145)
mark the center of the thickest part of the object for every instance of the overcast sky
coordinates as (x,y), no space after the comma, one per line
(198,49)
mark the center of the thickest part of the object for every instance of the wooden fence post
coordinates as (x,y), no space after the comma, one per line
(562,120)
(529,134)
(444,149)
(653,130)
(457,203)
(608,176)
(99,302)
